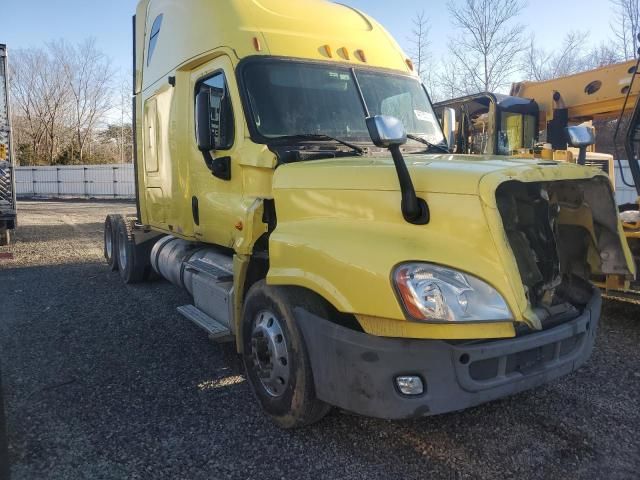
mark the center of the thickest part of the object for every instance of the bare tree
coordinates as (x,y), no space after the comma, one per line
(420,51)
(566,60)
(89,74)
(450,80)
(29,129)
(488,42)
(420,42)
(626,26)
(40,97)
(61,96)
(125,139)
(601,56)
(575,55)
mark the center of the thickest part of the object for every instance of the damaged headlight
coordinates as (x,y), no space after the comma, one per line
(437,294)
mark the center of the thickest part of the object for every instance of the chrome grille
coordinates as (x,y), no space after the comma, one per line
(601,164)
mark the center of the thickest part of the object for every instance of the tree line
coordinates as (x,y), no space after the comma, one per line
(489,47)
(69,106)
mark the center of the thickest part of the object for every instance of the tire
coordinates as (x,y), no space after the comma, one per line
(110,241)
(284,388)
(133,260)
(5,237)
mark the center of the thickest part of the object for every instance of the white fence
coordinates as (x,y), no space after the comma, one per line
(89,181)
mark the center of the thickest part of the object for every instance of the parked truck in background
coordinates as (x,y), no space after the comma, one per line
(293,178)
(8,216)
(532,120)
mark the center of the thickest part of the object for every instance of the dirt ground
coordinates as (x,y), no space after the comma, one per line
(108,381)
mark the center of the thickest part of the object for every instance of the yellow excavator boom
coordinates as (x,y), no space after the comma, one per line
(599,92)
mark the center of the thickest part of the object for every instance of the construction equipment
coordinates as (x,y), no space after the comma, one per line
(293,178)
(8,216)
(531,122)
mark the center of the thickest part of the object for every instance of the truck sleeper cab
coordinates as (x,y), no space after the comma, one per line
(293,178)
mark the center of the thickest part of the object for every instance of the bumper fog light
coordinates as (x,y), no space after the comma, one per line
(410,385)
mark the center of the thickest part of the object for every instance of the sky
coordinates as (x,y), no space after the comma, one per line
(34,22)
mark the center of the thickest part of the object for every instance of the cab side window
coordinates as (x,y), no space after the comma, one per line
(153,38)
(220,116)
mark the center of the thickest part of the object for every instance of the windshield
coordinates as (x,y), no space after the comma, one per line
(517,131)
(291,98)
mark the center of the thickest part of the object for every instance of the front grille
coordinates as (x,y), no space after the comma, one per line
(526,362)
(489,365)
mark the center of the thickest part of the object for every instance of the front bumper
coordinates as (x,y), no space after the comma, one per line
(356,371)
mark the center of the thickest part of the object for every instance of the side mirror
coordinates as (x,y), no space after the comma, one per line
(203,127)
(386,131)
(449,126)
(580,137)
(220,167)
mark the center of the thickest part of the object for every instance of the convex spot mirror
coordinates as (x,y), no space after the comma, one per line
(204,136)
(449,126)
(386,131)
(580,136)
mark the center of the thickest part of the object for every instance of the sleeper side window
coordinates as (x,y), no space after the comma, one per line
(220,115)
(153,38)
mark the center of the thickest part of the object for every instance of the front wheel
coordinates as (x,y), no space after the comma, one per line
(275,355)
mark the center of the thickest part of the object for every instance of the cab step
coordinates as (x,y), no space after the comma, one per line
(215,329)
(215,272)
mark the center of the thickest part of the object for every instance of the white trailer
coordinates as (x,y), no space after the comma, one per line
(8,217)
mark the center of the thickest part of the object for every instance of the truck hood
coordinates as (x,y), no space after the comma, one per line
(535,230)
(452,174)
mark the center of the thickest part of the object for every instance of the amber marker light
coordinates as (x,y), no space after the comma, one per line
(345,53)
(256,44)
(327,50)
(363,57)
(409,64)
(402,278)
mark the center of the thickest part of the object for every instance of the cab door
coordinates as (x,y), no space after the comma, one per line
(158,172)
(215,174)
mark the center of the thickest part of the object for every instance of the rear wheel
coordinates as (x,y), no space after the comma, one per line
(133,260)
(5,237)
(110,241)
(275,355)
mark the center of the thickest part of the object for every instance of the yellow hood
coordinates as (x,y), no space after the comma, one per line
(453,174)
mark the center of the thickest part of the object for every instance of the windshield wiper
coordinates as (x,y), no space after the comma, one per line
(440,147)
(319,137)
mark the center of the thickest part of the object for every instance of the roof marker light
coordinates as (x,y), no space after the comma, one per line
(327,50)
(344,52)
(256,44)
(363,57)
(409,64)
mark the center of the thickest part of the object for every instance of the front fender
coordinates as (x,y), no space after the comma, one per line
(344,245)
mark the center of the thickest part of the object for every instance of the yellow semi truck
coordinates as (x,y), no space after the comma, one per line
(293,178)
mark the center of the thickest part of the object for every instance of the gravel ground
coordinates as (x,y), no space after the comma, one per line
(107,381)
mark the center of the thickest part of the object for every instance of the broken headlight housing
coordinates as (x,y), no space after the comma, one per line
(433,293)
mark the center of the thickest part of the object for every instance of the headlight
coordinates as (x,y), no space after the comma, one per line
(437,294)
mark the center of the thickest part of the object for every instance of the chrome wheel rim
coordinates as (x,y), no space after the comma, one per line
(108,241)
(269,353)
(122,250)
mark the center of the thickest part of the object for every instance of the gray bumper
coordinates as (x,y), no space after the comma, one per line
(356,371)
